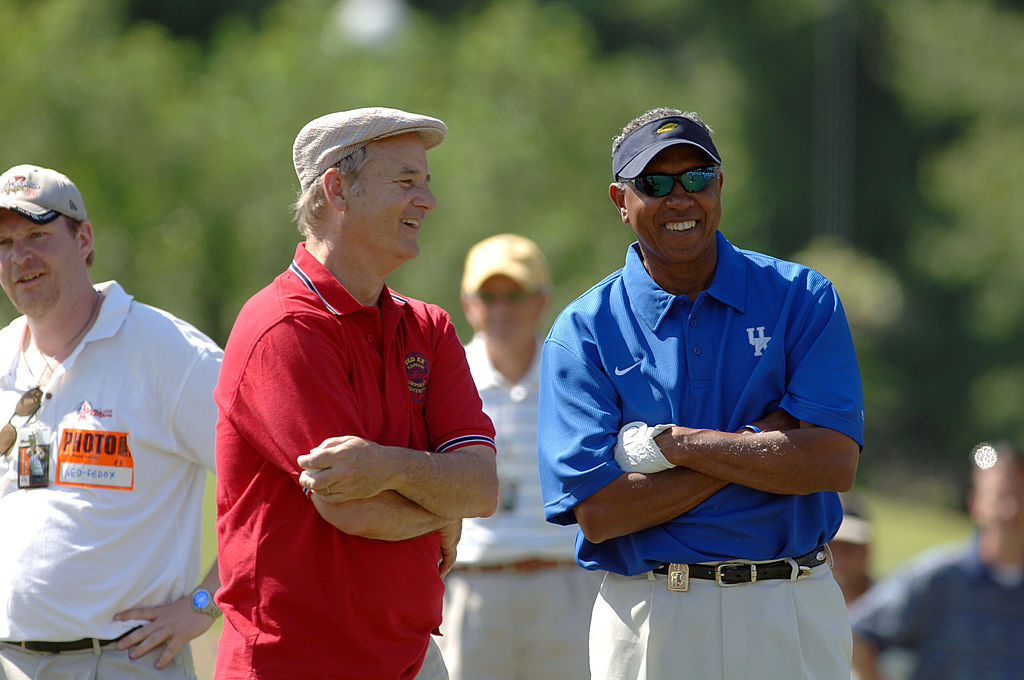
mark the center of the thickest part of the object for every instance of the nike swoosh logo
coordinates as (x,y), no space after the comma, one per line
(624,371)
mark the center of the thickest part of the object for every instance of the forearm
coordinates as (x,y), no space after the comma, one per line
(794,461)
(212,579)
(388,516)
(635,501)
(455,484)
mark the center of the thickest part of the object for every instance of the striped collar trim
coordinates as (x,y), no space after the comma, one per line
(297,270)
(304,277)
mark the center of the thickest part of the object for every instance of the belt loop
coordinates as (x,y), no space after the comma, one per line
(650,576)
(794,573)
(96,647)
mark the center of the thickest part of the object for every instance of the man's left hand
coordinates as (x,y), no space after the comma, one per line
(345,468)
(175,623)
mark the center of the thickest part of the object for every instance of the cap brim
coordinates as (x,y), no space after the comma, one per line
(43,217)
(635,167)
(431,136)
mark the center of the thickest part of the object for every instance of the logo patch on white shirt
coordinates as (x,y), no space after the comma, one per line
(85,411)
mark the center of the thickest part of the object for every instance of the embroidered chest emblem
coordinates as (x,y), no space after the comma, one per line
(417,373)
(86,410)
(759,341)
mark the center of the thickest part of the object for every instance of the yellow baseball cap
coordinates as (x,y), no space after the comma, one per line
(511,255)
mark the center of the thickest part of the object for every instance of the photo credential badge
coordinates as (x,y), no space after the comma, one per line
(96,458)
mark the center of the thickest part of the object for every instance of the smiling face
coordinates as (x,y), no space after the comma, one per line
(391,198)
(42,265)
(676,232)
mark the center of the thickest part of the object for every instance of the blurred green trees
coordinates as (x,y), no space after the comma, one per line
(881,142)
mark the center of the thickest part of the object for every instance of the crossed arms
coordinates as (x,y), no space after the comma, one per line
(392,493)
(788,457)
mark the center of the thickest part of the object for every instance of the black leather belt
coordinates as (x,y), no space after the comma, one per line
(735,573)
(69,646)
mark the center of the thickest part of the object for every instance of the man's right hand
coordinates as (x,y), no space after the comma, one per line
(636,451)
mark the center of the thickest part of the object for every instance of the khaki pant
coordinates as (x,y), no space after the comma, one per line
(433,665)
(505,626)
(798,630)
(109,664)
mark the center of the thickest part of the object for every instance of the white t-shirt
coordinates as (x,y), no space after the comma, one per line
(130,425)
(518,529)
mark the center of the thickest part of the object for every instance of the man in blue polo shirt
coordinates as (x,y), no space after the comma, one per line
(699,410)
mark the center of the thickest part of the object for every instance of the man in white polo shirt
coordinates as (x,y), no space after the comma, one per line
(516,604)
(104,456)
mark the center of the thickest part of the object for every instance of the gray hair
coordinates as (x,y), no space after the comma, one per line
(311,203)
(649,116)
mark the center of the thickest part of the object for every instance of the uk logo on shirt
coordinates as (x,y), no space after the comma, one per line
(759,341)
(417,372)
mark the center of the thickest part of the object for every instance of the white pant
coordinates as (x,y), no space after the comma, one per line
(109,664)
(433,667)
(510,626)
(797,630)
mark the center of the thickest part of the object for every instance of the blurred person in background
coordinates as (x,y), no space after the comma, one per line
(516,604)
(851,547)
(351,440)
(959,609)
(104,457)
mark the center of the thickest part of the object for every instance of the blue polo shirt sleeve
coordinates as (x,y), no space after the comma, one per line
(579,418)
(823,383)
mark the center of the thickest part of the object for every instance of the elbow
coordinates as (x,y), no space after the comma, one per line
(485,502)
(845,484)
(846,471)
(594,528)
(487,507)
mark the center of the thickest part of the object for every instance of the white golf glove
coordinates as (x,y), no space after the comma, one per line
(635,450)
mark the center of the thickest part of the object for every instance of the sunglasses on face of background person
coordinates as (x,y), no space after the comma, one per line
(658,185)
(27,406)
(512,297)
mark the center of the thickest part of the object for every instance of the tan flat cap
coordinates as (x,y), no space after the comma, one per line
(325,140)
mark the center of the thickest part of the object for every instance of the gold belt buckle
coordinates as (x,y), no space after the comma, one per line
(678,577)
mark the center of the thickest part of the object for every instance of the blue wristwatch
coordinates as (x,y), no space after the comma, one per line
(202,601)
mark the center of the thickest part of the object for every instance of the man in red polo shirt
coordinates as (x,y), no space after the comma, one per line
(351,440)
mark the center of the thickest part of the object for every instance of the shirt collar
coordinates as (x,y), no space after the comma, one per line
(652,303)
(335,297)
(485,375)
(112,314)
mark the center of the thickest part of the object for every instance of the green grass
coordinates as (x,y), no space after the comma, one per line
(903,528)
